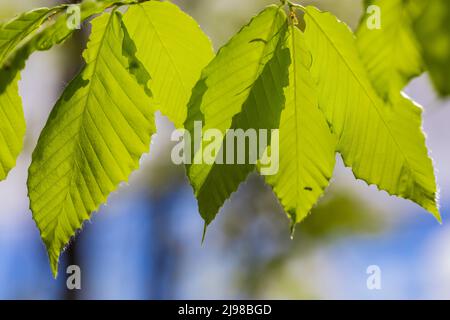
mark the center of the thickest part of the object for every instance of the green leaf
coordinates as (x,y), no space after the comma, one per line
(59,31)
(19,28)
(242,88)
(391,54)
(12,127)
(19,38)
(173,49)
(52,33)
(432,28)
(93,139)
(382,143)
(307,147)
(12,121)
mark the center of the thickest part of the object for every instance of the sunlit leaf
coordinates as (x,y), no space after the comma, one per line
(19,38)
(15,31)
(12,121)
(307,147)
(391,53)
(12,127)
(432,28)
(241,88)
(173,49)
(382,143)
(93,139)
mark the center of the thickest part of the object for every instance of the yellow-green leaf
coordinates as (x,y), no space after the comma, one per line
(15,31)
(12,127)
(173,49)
(241,88)
(432,29)
(391,53)
(93,139)
(382,143)
(19,38)
(12,121)
(307,147)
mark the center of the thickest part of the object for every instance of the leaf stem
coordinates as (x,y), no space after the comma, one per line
(294,5)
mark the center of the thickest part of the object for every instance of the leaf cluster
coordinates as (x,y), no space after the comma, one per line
(325,89)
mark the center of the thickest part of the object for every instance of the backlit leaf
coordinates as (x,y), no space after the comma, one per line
(173,49)
(93,139)
(391,54)
(307,147)
(19,38)
(241,88)
(432,28)
(381,142)
(12,121)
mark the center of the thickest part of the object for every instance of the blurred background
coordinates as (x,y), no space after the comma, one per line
(146,242)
